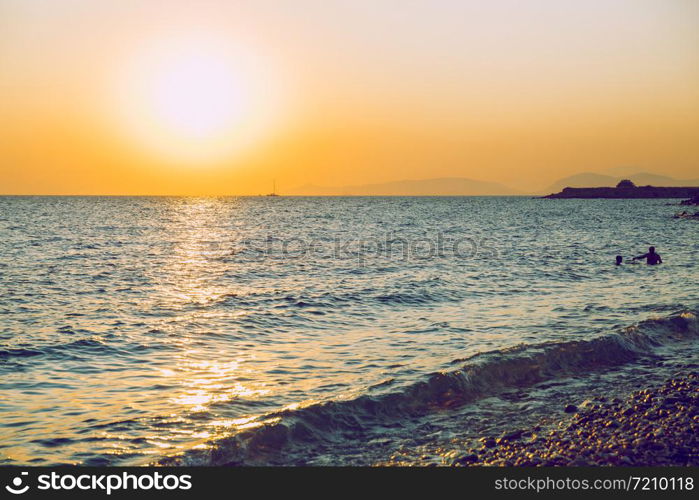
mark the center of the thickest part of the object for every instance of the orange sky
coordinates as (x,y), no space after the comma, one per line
(338,93)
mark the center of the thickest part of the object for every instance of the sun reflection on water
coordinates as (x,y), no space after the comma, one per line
(194,276)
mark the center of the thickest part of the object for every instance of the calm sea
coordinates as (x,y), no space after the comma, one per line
(138,330)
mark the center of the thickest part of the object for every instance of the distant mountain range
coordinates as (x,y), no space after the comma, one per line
(461,186)
(446,186)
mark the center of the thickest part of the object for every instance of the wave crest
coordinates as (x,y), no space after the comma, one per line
(479,376)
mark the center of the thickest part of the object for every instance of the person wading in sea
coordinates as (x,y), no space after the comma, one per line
(651,257)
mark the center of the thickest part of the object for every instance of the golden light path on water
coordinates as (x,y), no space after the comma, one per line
(188,278)
(194,274)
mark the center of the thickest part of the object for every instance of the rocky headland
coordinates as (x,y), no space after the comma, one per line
(691,201)
(627,189)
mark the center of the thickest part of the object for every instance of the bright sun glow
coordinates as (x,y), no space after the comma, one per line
(197,95)
(197,100)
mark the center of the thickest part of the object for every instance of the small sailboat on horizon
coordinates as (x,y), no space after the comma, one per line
(274,189)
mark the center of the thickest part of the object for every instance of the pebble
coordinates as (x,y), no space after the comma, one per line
(653,427)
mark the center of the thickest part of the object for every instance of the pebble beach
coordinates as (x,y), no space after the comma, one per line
(657,426)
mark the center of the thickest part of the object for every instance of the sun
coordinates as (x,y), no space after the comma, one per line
(196,95)
(196,100)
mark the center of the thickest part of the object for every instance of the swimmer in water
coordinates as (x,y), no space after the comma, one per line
(651,257)
(619,260)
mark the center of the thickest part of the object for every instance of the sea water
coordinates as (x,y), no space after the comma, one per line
(328,330)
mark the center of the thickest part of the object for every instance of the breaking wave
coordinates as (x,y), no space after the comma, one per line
(479,376)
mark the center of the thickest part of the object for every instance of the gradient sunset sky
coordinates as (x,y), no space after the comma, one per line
(219,97)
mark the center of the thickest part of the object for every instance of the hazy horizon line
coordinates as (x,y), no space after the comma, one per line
(268,196)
